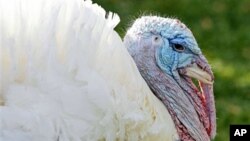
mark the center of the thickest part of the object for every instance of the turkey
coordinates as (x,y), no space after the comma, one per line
(66,75)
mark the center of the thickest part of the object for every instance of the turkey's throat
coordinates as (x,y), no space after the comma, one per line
(178,103)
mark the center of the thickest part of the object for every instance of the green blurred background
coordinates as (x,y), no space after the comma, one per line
(222,29)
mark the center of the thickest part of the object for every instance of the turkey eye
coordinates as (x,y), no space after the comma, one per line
(179,47)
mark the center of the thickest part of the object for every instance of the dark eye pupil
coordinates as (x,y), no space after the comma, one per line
(178,47)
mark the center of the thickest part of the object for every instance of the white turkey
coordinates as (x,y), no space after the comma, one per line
(66,75)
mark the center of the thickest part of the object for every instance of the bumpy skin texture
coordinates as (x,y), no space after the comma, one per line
(152,41)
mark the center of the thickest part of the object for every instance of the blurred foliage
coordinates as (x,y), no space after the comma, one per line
(222,29)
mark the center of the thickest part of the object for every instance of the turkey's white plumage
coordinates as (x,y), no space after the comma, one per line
(66,76)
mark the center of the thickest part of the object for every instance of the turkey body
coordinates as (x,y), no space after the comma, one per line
(66,75)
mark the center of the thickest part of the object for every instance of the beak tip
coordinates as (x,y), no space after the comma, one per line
(198,73)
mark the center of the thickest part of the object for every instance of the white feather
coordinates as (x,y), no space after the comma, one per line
(66,76)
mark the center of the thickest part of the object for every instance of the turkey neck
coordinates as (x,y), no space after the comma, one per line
(176,100)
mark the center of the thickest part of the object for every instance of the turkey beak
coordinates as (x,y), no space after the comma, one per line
(196,72)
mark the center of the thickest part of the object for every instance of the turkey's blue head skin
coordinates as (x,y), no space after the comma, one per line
(163,49)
